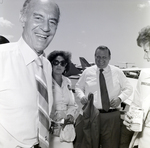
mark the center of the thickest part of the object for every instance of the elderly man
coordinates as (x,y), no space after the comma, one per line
(142,95)
(110,87)
(25,79)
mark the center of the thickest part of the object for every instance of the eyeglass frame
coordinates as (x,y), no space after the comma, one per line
(61,63)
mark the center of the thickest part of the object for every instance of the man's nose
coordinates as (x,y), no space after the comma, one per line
(46,26)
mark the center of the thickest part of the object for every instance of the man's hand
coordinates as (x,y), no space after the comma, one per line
(84,100)
(128,120)
(115,102)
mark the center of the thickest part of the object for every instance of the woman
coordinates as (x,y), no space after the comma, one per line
(64,105)
(141,96)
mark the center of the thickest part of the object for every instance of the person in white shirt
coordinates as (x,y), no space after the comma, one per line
(64,106)
(118,89)
(142,95)
(19,96)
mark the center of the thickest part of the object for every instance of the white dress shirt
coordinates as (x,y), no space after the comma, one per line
(116,81)
(18,95)
(64,104)
(64,100)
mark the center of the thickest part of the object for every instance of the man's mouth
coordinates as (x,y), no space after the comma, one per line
(101,63)
(42,36)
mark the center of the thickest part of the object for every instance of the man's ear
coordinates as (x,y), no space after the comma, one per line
(22,18)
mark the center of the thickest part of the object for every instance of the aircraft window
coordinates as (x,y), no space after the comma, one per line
(132,74)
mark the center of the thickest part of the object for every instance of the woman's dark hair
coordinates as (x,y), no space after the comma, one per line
(65,54)
(144,36)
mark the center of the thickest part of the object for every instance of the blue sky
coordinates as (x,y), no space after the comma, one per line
(86,24)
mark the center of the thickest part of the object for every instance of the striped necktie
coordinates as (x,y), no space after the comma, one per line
(42,105)
(104,92)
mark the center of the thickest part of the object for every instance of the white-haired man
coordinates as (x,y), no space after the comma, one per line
(25,79)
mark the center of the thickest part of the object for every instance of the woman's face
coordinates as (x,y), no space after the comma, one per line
(146,47)
(58,65)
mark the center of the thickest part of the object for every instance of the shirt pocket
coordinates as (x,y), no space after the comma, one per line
(92,85)
(6,85)
(7,93)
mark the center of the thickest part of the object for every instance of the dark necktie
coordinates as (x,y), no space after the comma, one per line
(104,92)
(42,105)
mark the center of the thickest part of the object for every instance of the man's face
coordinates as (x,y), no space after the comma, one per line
(40,24)
(146,47)
(102,58)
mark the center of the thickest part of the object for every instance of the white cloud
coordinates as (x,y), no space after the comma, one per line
(143,5)
(5,23)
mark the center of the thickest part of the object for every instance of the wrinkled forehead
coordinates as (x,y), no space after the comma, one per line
(47,5)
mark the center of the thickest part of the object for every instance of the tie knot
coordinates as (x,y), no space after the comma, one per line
(101,70)
(39,61)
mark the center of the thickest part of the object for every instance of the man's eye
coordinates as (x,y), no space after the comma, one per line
(53,22)
(104,58)
(37,18)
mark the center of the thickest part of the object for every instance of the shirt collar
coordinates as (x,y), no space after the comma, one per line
(106,69)
(28,53)
(64,81)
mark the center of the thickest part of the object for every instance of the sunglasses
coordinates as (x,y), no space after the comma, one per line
(62,63)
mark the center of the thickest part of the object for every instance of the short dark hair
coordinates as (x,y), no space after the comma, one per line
(65,54)
(103,48)
(3,40)
(144,36)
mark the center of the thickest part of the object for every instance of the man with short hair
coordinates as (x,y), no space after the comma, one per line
(25,79)
(110,87)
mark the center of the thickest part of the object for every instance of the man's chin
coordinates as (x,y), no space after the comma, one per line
(40,50)
(148,60)
(101,66)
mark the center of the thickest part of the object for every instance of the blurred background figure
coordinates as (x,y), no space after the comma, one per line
(3,40)
(141,95)
(64,105)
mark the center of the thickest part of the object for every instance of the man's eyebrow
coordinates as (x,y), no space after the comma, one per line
(37,14)
(53,19)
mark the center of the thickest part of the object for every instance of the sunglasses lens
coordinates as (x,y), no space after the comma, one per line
(63,63)
(56,62)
